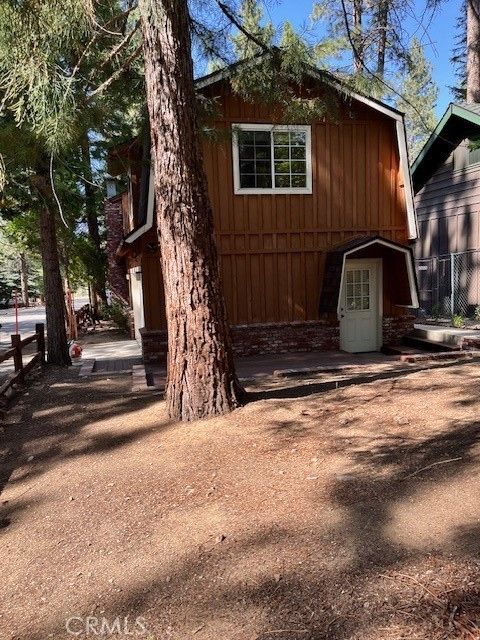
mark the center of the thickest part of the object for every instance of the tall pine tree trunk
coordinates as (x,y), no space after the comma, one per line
(92,218)
(473,51)
(24,280)
(57,347)
(357,36)
(201,379)
(381,24)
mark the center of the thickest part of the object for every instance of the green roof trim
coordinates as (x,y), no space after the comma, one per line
(458,110)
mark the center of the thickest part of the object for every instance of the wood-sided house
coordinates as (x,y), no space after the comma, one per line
(314,225)
(446,180)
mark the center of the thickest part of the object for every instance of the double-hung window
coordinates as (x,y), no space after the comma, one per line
(271,159)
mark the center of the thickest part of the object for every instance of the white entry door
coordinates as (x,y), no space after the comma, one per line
(359,308)
(136,293)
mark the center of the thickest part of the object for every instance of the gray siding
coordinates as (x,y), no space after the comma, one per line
(448,208)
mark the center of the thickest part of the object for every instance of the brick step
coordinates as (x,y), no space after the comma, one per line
(429,345)
(401,350)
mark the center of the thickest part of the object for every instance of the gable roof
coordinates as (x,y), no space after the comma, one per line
(327,77)
(330,298)
(460,121)
(342,86)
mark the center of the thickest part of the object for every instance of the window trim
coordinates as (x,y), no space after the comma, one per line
(238,190)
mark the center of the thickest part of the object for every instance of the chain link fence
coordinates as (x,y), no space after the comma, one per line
(449,284)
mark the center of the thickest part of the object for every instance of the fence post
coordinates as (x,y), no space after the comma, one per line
(17,356)
(452,283)
(40,331)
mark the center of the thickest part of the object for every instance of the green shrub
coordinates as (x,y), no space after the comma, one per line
(458,321)
(117,313)
(436,311)
(476,313)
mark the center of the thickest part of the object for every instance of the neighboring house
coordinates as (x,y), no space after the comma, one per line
(314,225)
(446,181)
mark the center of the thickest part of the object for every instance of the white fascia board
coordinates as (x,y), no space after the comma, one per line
(407,180)
(149,219)
(408,262)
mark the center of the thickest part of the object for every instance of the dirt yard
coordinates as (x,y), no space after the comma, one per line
(353,514)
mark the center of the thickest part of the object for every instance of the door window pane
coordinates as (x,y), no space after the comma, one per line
(357,292)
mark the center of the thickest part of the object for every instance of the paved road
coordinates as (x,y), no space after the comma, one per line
(27,318)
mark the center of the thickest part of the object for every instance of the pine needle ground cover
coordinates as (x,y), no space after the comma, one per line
(350,514)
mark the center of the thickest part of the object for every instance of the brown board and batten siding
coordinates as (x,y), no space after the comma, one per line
(448,208)
(272,247)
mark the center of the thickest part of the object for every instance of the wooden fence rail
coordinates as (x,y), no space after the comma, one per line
(16,354)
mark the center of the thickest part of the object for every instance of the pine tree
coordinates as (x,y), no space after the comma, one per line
(372,33)
(459,55)
(52,100)
(201,376)
(420,94)
(251,16)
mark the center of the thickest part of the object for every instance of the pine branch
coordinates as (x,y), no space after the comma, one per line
(233,19)
(121,45)
(96,35)
(379,79)
(136,54)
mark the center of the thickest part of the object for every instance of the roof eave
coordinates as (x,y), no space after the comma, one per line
(434,135)
(452,111)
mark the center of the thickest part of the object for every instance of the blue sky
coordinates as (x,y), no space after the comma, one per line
(438,45)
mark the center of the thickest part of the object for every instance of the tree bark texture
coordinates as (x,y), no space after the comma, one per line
(91,214)
(381,25)
(57,346)
(473,51)
(201,378)
(24,280)
(357,36)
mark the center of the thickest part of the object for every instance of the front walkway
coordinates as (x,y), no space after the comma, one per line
(108,351)
(318,370)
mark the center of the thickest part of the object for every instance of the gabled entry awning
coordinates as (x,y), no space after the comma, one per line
(398,268)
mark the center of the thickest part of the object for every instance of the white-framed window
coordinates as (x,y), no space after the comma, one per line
(271,158)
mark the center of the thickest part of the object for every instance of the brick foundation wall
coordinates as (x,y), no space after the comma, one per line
(154,346)
(470,344)
(262,339)
(116,270)
(259,339)
(395,328)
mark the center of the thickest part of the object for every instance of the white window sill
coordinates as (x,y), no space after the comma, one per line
(264,192)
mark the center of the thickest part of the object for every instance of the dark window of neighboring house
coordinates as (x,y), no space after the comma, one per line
(474,151)
(143,194)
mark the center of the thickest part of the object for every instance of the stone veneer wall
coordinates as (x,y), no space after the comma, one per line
(395,328)
(116,269)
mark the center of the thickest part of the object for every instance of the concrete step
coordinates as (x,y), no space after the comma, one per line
(425,344)
(446,335)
